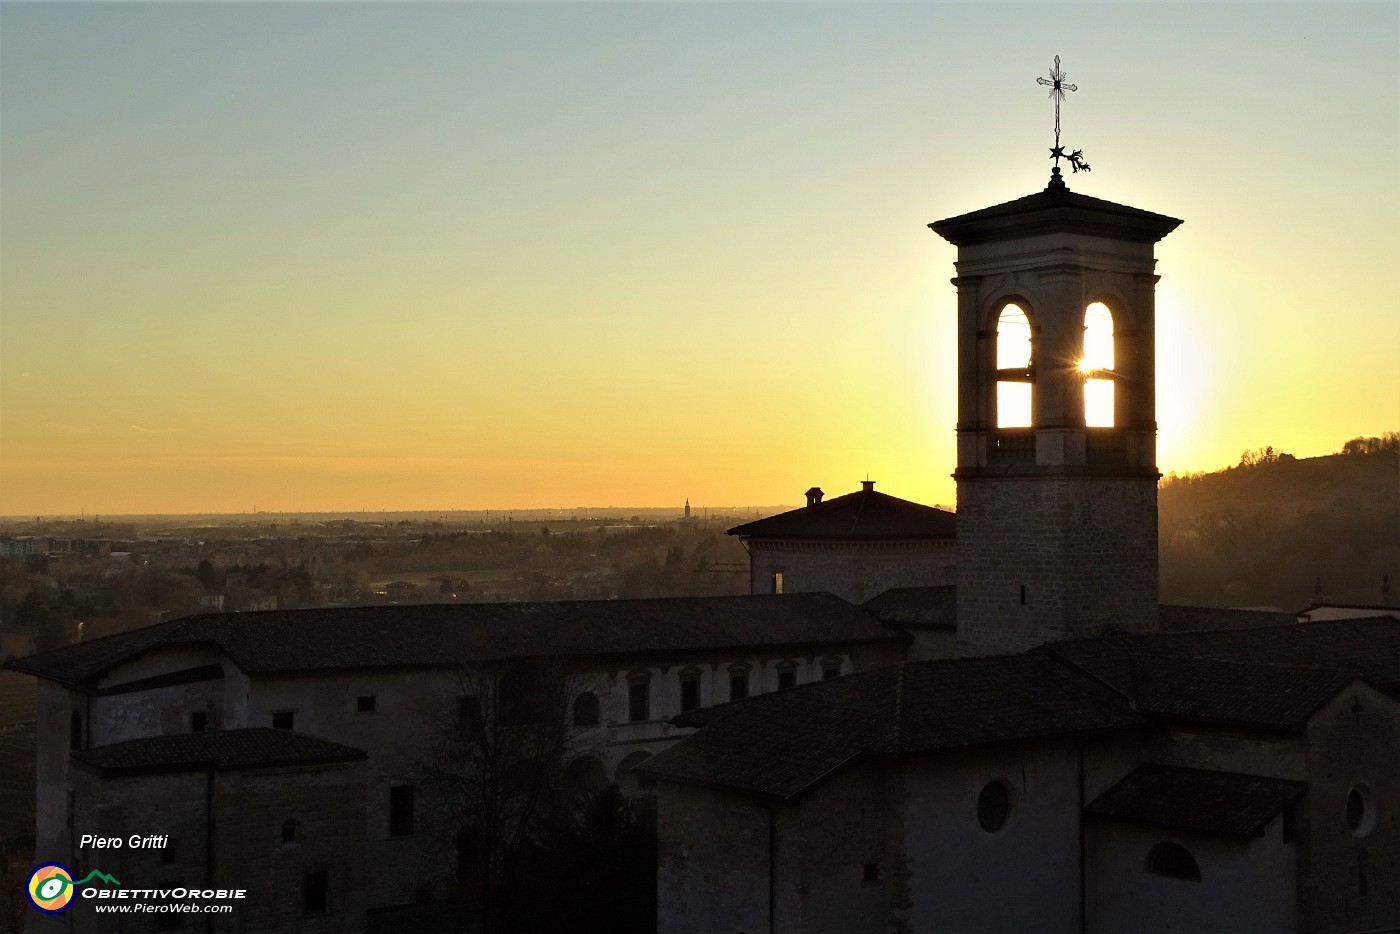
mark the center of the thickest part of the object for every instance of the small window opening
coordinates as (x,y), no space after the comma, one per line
(831,669)
(1023,595)
(777,581)
(1173,859)
(75,731)
(993,806)
(1360,813)
(317,891)
(639,700)
(199,721)
(283,719)
(870,872)
(786,679)
(468,712)
(400,810)
(289,831)
(690,694)
(1014,374)
(366,703)
(1096,365)
(738,685)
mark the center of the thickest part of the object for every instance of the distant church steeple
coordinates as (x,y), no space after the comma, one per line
(1057,517)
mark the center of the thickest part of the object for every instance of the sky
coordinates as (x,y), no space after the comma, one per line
(344,256)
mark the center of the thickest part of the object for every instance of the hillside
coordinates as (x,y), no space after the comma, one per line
(1272,530)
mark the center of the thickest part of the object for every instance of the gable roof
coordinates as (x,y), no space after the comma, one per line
(1228,803)
(1367,648)
(457,634)
(781,744)
(1178,618)
(224,750)
(865,515)
(1228,692)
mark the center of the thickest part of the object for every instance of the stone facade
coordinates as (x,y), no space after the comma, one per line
(1052,558)
(856,571)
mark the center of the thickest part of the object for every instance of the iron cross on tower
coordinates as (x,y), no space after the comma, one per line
(1058,86)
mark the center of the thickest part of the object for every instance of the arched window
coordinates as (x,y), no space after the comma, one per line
(75,731)
(1173,859)
(1096,363)
(587,710)
(1014,374)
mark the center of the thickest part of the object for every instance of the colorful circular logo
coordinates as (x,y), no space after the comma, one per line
(51,888)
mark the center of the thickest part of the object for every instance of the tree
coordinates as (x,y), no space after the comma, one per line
(498,770)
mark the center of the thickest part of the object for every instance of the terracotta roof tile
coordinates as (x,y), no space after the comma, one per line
(862,515)
(454,634)
(224,750)
(780,744)
(1228,803)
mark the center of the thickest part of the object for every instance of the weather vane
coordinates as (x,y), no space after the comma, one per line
(1058,86)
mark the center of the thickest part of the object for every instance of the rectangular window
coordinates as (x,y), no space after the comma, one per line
(786,679)
(365,703)
(282,719)
(870,872)
(831,670)
(468,711)
(199,721)
(317,893)
(738,685)
(777,581)
(690,694)
(639,701)
(400,810)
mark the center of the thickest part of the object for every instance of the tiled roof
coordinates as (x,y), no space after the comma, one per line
(455,634)
(1173,618)
(780,744)
(1228,803)
(924,606)
(1244,693)
(864,515)
(1368,648)
(224,750)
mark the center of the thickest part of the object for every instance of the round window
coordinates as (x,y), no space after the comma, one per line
(993,806)
(1361,815)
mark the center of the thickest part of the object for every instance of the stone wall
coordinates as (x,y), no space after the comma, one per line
(852,570)
(1083,548)
(1245,885)
(247,850)
(1353,742)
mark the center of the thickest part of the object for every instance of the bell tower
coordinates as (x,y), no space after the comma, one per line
(1057,512)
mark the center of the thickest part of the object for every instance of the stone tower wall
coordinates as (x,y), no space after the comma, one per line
(1084,548)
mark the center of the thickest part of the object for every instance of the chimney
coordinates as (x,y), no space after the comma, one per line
(867,485)
(814,496)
